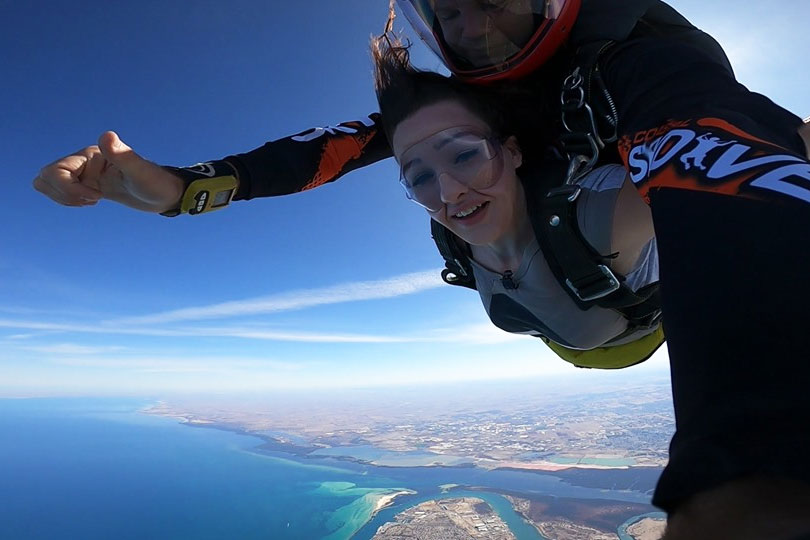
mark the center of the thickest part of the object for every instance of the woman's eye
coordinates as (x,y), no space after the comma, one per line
(421,179)
(466,155)
(493,6)
(447,14)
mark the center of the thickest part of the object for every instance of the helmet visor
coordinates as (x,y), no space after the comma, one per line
(467,155)
(475,35)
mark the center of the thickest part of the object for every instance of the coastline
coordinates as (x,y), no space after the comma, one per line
(548,466)
(649,526)
(367,503)
(550,523)
(277,444)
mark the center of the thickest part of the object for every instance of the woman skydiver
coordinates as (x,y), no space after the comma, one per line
(462,158)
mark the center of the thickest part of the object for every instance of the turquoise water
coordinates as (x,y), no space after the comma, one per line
(94,473)
(605,462)
(623,528)
(394,459)
(94,469)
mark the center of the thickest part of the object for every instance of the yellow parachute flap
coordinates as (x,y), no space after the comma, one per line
(619,356)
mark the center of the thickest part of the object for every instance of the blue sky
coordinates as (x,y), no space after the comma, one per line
(337,287)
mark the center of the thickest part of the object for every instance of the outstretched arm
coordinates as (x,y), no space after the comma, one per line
(112,170)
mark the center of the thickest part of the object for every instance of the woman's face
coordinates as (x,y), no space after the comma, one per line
(485,32)
(434,147)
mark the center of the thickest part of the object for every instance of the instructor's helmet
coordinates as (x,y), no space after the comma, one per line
(490,40)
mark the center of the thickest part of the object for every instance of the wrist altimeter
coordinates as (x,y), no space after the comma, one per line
(208,186)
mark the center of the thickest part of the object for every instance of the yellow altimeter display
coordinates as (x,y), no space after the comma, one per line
(208,194)
(208,187)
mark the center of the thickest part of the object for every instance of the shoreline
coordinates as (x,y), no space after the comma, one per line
(549,466)
(647,525)
(377,502)
(273,444)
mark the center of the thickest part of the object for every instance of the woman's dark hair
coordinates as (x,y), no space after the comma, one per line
(403,89)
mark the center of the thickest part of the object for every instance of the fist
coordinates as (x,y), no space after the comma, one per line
(110,170)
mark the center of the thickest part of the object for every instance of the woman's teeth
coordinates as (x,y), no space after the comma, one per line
(467,212)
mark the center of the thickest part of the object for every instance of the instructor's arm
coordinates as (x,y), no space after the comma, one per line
(111,170)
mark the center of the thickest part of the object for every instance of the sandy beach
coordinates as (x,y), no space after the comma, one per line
(549,466)
(647,529)
(386,500)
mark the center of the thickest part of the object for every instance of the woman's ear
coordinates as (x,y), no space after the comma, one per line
(511,145)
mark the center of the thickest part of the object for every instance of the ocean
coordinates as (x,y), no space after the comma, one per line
(99,469)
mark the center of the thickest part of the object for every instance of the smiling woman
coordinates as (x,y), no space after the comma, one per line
(463,175)
(460,159)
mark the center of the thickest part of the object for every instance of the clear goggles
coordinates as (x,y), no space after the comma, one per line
(467,155)
(474,36)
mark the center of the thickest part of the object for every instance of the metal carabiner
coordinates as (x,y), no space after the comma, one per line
(573,83)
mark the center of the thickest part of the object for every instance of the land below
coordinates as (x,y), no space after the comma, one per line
(613,430)
(555,519)
(615,439)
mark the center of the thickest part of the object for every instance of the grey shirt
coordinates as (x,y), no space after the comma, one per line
(540,305)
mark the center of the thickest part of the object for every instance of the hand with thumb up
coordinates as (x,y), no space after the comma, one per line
(110,170)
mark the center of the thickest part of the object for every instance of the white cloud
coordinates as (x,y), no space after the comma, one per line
(345,292)
(302,337)
(181,364)
(483,333)
(160,324)
(71,348)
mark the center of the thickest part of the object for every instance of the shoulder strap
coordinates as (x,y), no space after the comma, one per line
(458,270)
(579,268)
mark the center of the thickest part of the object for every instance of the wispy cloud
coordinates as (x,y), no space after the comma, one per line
(71,348)
(267,334)
(88,328)
(179,364)
(479,334)
(161,324)
(303,337)
(483,333)
(345,292)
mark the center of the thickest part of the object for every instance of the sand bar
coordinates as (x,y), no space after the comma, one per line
(387,499)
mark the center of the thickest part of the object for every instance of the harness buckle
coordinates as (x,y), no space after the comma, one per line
(461,269)
(569,191)
(604,284)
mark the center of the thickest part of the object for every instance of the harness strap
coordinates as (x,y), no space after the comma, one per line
(458,270)
(590,120)
(588,279)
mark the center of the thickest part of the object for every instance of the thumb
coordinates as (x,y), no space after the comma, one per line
(122,156)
